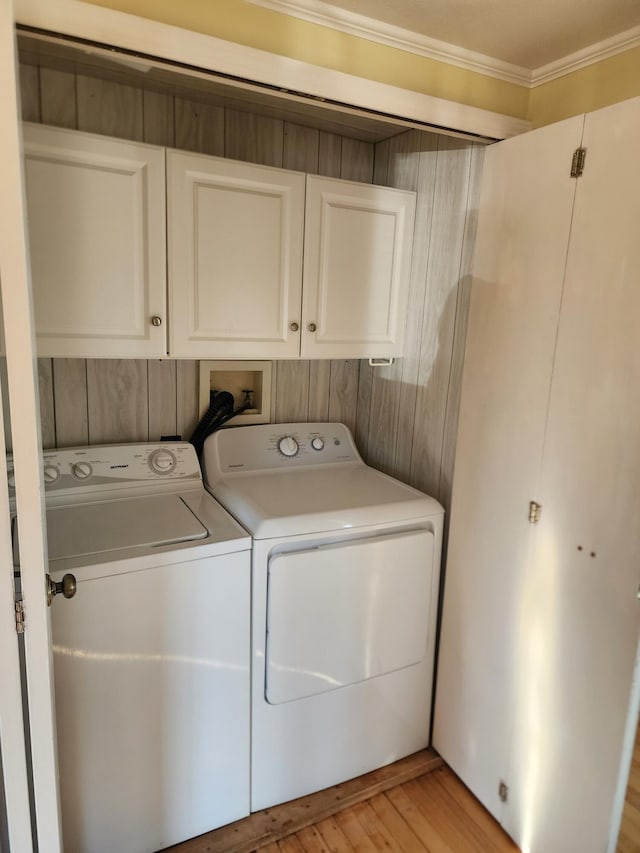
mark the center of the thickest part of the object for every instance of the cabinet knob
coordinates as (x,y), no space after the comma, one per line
(312,327)
(294,327)
(156,321)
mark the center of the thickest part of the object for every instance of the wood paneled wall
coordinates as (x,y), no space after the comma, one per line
(405,416)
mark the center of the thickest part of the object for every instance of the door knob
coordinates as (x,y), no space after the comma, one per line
(312,327)
(294,327)
(67,587)
(156,321)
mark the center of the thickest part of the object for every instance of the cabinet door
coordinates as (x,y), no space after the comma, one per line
(483,679)
(96,216)
(235,258)
(579,629)
(358,241)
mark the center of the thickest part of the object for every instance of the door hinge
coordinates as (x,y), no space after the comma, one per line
(503,791)
(577,162)
(20,620)
(535,511)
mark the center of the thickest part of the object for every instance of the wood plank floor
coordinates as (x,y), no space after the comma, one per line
(407,812)
(629,838)
(433,813)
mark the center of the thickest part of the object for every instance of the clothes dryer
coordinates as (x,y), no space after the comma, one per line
(345,575)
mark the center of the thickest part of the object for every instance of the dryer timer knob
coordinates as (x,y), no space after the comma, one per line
(288,446)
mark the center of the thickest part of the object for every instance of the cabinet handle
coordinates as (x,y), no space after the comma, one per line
(294,327)
(156,321)
(312,327)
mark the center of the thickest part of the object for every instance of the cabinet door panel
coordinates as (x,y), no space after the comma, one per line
(96,213)
(581,626)
(358,242)
(235,258)
(518,269)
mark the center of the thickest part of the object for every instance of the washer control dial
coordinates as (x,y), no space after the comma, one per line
(317,443)
(162,461)
(288,446)
(81,470)
(51,473)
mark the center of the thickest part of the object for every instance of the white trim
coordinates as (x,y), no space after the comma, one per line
(588,56)
(326,15)
(319,12)
(83,20)
(27,454)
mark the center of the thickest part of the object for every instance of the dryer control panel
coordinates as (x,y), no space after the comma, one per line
(277,447)
(117,465)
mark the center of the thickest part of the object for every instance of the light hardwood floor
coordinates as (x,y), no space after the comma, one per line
(629,838)
(397,808)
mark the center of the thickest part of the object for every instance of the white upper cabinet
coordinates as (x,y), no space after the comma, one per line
(235,258)
(96,218)
(358,241)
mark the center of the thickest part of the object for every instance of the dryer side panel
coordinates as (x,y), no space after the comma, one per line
(341,614)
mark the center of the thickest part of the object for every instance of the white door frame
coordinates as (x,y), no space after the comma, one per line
(27,454)
(345,92)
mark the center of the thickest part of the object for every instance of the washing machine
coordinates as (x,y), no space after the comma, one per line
(345,576)
(151,654)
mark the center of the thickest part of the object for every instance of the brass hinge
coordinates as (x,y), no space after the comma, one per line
(535,511)
(577,162)
(20,620)
(503,791)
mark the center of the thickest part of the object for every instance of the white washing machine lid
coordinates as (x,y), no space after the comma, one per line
(313,500)
(95,528)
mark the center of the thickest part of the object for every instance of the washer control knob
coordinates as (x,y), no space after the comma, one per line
(51,473)
(288,446)
(81,470)
(11,478)
(162,461)
(317,443)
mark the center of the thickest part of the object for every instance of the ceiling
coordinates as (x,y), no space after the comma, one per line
(527,33)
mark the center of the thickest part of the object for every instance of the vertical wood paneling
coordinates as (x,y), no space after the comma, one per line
(158,119)
(301,148)
(187,389)
(343,392)
(460,330)
(199,127)
(58,97)
(47,408)
(118,402)
(162,380)
(329,154)
(30,92)
(292,400)
(424,151)
(319,382)
(254,139)
(447,234)
(70,396)
(357,161)
(114,109)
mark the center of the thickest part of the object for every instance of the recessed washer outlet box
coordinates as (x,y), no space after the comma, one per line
(237,377)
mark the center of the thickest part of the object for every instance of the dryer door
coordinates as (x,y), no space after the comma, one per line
(344,613)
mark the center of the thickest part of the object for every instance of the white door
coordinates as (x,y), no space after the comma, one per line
(23,399)
(357,258)
(527,198)
(96,214)
(235,235)
(580,622)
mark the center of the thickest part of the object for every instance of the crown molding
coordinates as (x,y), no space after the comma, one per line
(323,13)
(316,12)
(587,56)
